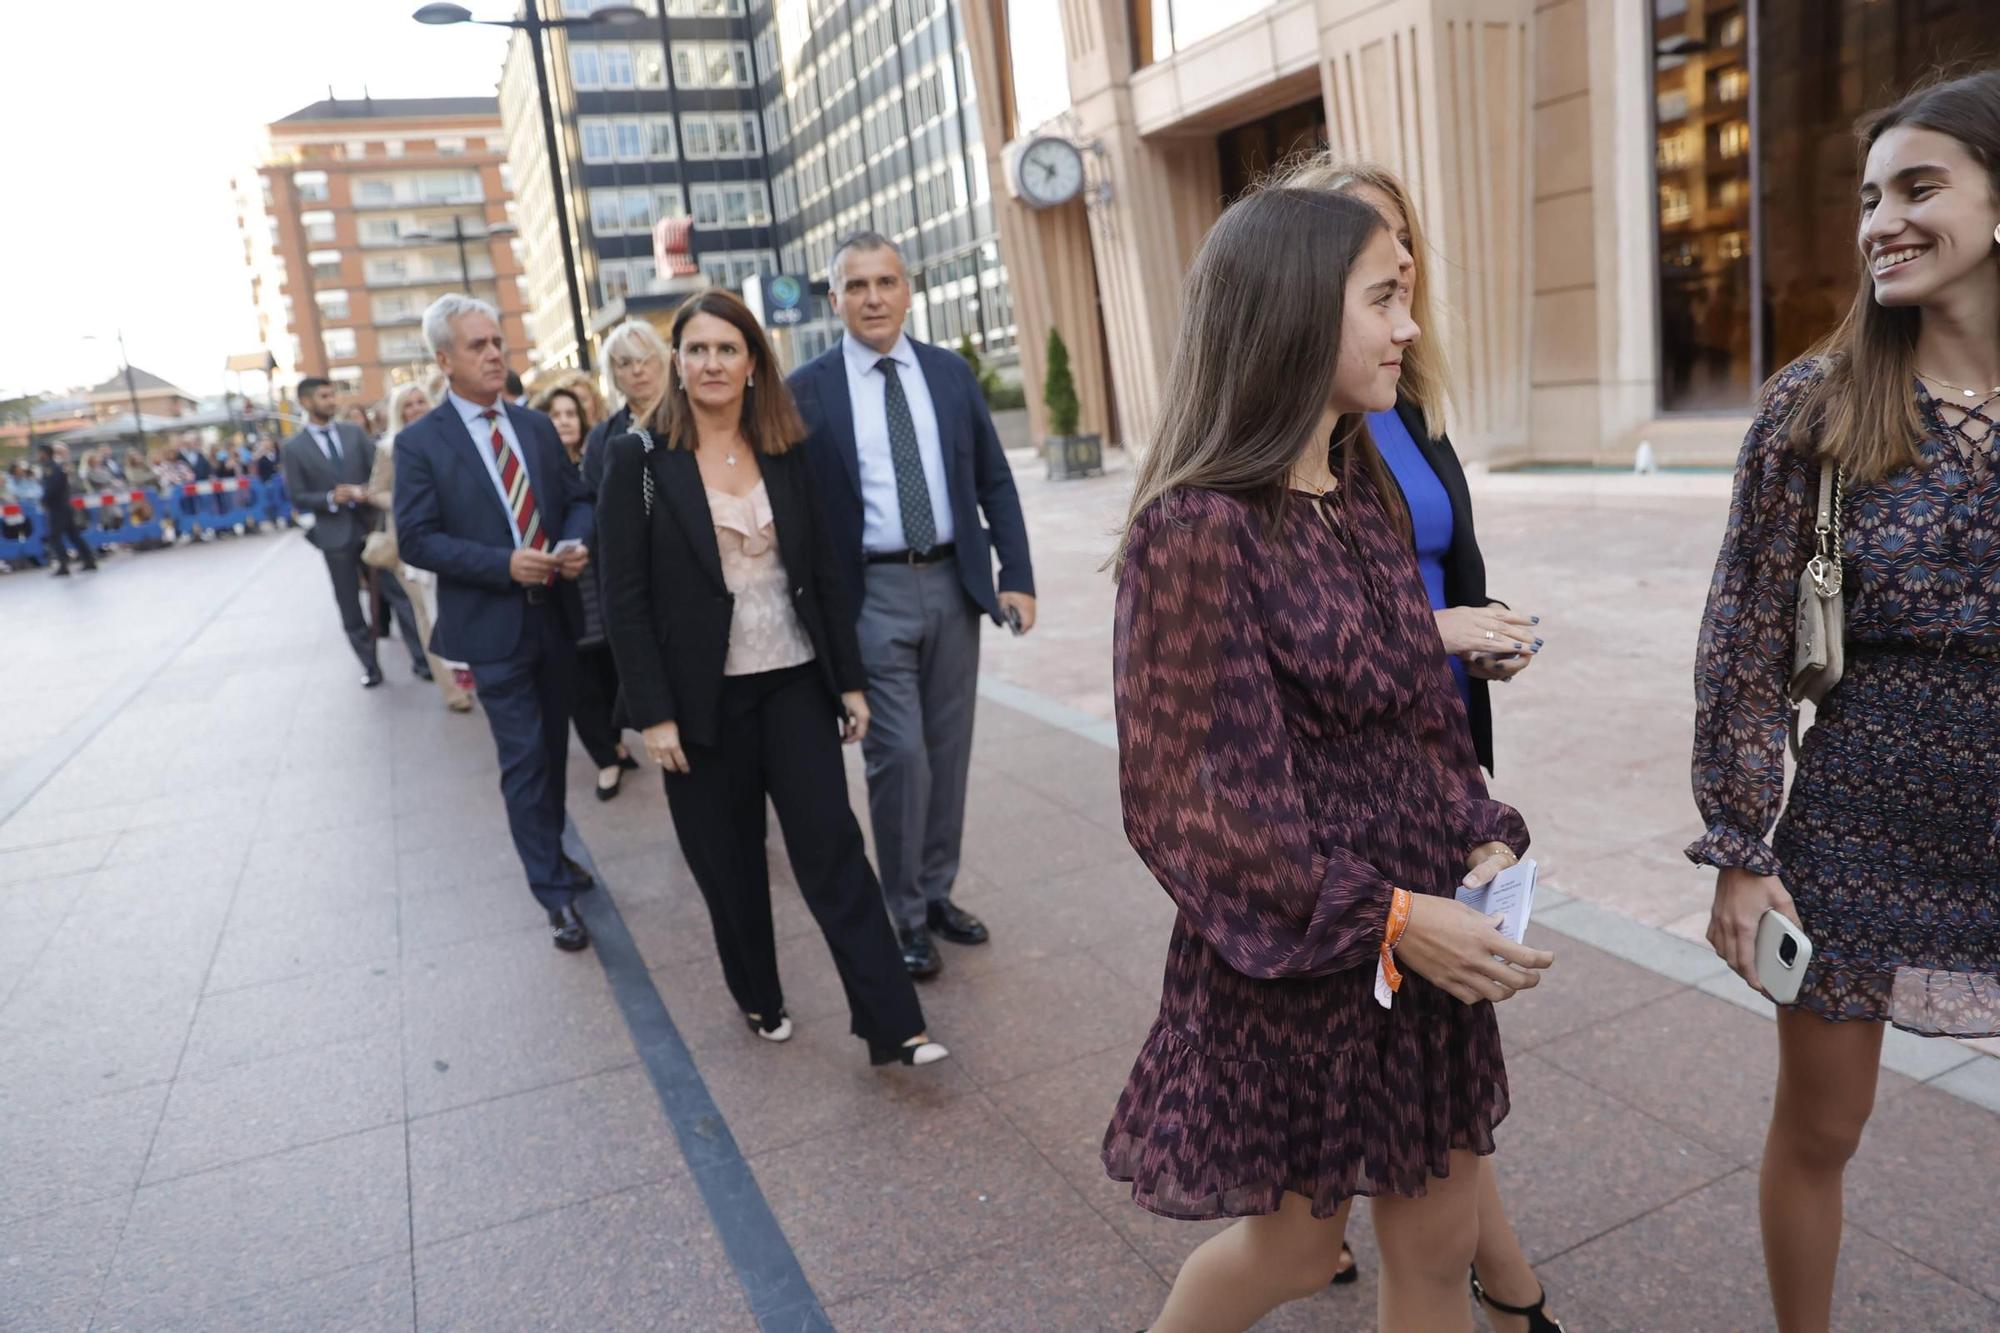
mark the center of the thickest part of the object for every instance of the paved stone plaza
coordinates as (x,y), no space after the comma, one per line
(283,1044)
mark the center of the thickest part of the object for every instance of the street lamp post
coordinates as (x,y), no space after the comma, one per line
(534,25)
(131,388)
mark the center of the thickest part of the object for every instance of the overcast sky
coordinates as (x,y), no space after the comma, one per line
(124,121)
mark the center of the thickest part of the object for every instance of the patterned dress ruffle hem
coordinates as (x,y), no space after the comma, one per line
(1292,748)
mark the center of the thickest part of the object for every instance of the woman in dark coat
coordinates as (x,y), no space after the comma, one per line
(737,652)
(593,710)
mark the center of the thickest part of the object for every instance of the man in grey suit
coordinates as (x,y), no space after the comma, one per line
(326,471)
(911,476)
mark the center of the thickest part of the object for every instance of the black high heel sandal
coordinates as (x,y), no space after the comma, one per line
(1351,1274)
(1538,1317)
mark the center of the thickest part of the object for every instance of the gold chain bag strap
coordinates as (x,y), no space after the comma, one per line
(1819,651)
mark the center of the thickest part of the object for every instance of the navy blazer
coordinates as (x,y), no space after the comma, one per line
(450,520)
(977,477)
(1464,566)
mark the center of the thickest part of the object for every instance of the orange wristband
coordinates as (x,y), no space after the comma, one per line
(1399,918)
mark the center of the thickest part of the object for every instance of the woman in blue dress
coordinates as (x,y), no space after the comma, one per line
(1485,641)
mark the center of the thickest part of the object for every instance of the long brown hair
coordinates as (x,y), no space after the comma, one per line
(1254,361)
(770,420)
(564,389)
(1862,411)
(1426,363)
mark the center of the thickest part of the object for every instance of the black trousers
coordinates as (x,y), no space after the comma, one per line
(596,699)
(526,702)
(349,575)
(778,738)
(63,533)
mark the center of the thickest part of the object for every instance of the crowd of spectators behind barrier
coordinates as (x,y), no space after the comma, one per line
(184,457)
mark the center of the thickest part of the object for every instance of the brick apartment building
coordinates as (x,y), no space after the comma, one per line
(351,228)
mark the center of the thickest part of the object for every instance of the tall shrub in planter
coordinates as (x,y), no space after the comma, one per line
(1059,388)
(1069,454)
(984,375)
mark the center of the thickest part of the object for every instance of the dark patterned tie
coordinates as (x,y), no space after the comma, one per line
(913,492)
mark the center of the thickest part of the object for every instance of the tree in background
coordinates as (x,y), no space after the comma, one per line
(1059,389)
(987,377)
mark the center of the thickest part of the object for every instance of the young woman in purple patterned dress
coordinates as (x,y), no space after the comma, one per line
(1484,640)
(1297,772)
(1886,852)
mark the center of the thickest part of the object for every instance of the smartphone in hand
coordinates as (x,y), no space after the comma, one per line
(1013,614)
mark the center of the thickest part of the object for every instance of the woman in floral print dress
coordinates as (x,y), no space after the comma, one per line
(1297,772)
(1888,855)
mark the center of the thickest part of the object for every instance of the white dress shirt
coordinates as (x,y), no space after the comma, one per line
(327,440)
(481,431)
(881,505)
(327,446)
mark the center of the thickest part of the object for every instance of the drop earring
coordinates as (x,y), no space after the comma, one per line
(1996,236)
(753,379)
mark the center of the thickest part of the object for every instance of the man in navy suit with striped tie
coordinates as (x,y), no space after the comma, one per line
(485,500)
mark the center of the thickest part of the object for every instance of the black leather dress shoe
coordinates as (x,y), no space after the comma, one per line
(372,679)
(920,956)
(422,671)
(570,935)
(956,924)
(580,878)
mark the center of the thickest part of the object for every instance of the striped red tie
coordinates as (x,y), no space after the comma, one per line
(514,481)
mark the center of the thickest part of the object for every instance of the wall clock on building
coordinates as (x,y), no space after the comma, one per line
(1048,171)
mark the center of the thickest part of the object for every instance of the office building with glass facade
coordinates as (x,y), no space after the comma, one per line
(656,119)
(1639,209)
(871,122)
(771,129)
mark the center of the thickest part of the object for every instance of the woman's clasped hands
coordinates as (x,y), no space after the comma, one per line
(1461,950)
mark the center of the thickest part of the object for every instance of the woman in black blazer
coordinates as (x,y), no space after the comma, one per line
(1487,641)
(738,661)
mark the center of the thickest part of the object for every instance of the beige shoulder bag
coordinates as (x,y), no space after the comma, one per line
(1819,651)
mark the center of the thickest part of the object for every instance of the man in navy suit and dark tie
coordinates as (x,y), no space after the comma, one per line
(910,469)
(485,500)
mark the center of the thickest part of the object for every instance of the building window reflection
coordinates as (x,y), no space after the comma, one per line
(1160,28)
(1702,160)
(1822,66)
(1750,279)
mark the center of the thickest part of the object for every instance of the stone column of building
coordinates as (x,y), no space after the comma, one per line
(1440,90)
(1121,251)
(1046,251)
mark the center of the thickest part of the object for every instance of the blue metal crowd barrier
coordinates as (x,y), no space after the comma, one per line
(274,501)
(232,502)
(22,533)
(142,517)
(121,517)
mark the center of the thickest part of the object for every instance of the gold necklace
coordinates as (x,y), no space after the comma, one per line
(1969,393)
